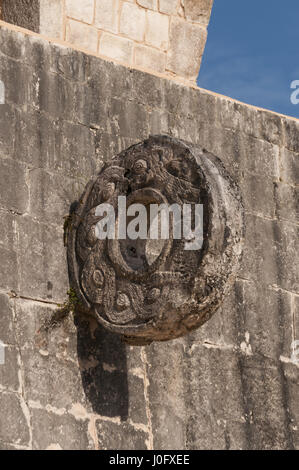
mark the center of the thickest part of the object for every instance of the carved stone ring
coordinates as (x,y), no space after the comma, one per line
(155,290)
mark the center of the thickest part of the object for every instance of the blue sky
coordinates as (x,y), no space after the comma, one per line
(252,52)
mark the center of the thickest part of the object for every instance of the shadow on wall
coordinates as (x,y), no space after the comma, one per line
(103,367)
(103,364)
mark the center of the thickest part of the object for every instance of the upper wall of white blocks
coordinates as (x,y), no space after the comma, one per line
(160,36)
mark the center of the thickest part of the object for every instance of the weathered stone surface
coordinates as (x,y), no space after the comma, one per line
(7,125)
(13,186)
(58,432)
(82,11)
(296,324)
(120,436)
(187,42)
(215,398)
(289,166)
(259,192)
(291,374)
(52,194)
(106,16)
(116,47)
(9,372)
(166,394)
(157,30)
(150,59)
(51,18)
(82,35)
(268,421)
(9,272)
(168,6)
(41,260)
(132,21)
(51,85)
(287,202)
(276,321)
(14,426)
(7,334)
(24,13)
(16,73)
(198,10)
(151,4)
(231,384)
(51,381)
(290,131)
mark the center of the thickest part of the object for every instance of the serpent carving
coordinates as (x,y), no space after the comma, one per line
(156,290)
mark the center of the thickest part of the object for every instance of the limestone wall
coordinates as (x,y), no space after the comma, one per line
(161,36)
(233,384)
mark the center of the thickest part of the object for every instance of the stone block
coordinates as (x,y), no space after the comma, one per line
(275,245)
(288,256)
(56,96)
(132,21)
(8,235)
(82,11)
(130,119)
(22,13)
(7,130)
(198,10)
(215,403)
(289,167)
(291,375)
(267,322)
(14,419)
(140,86)
(70,63)
(52,431)
(51,18)
(10,44)
(157,30)
(291,132)
(51,381)
(186,46)
(13,186)
(14,74)
(42,261)
(51,195)
(167,378)
(296,324)
(287,202)
(262,238)
(65,147)
(264,390)
(36,330)
(7,335)
(116,47)
(9,269)
(9,371)
(107,15)
(121,436)
(258,194)
(150,4)
(150,59)
(82,35)
(169,7)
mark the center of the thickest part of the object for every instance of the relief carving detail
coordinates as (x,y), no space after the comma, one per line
(154,290)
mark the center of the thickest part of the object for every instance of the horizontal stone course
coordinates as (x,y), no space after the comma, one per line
(82,22)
